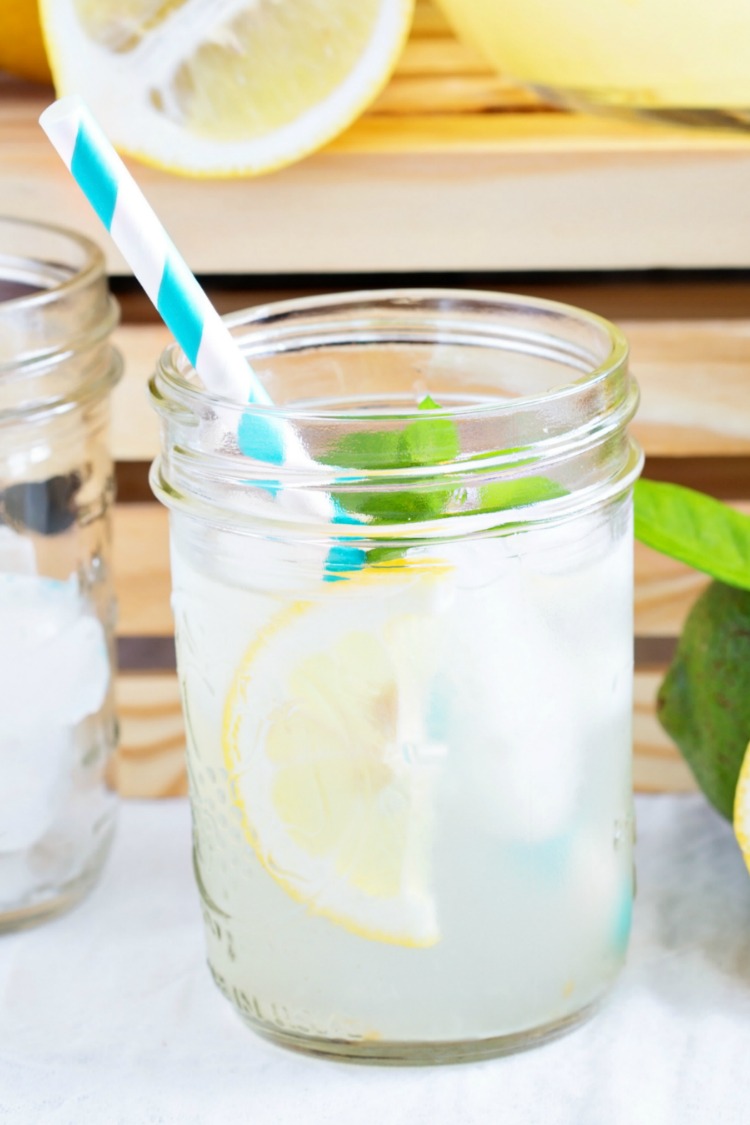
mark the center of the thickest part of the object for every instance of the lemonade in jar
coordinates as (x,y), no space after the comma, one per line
(406,660)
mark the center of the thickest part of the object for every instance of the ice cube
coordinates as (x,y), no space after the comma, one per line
(54,671)
(515,704)
(54,667)
(589,610)
(35,774)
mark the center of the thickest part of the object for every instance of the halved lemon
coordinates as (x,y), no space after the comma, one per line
(223,87)
(329,759)
(742,808)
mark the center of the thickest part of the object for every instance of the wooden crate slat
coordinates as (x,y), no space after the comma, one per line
(635,297)
(440,94)
(657,763)
(432,56)
(725,478)
(503,190)
(150,759)
(140,562)
(694,379)
(695,386)
(664,590)
(134,432)
(513,131)
(429,21)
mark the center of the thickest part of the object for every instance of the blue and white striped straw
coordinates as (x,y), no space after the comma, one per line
(178,298)
(161,270)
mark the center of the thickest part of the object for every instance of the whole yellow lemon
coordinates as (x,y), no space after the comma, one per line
(22,49)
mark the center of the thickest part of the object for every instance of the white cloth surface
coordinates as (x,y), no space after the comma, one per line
(108,1015)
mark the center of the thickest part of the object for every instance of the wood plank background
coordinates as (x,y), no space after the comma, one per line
(455,176)
(522,186)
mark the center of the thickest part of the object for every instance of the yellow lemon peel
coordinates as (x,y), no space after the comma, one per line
(224,89)
(742,808)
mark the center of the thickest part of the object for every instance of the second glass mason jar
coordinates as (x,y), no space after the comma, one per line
(405,654)
(57,727)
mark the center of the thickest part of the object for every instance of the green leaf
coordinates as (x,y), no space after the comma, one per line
(373,449)
(516,493)
(694,528)
(428,403)
(433,441)
(396,505)
(424,443)
(384,555)
(704,701)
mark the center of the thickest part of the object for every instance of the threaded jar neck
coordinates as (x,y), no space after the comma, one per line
(56,318)
(408,408)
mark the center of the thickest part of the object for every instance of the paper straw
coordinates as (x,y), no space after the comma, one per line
(178,298)
(161,269)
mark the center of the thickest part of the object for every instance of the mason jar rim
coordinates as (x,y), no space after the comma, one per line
(93,264)
(55,353)
(571,438)
(175,369)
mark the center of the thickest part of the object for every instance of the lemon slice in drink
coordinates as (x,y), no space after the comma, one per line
(224,87)
(742,808)
(328,758)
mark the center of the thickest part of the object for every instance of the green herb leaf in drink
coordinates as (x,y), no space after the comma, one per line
(517,493)
(430,441)
(424,443)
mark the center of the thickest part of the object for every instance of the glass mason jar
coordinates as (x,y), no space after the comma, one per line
(406,660)
(57,367)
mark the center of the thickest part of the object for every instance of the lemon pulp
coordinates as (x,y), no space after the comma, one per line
(221,87)
(333,781)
